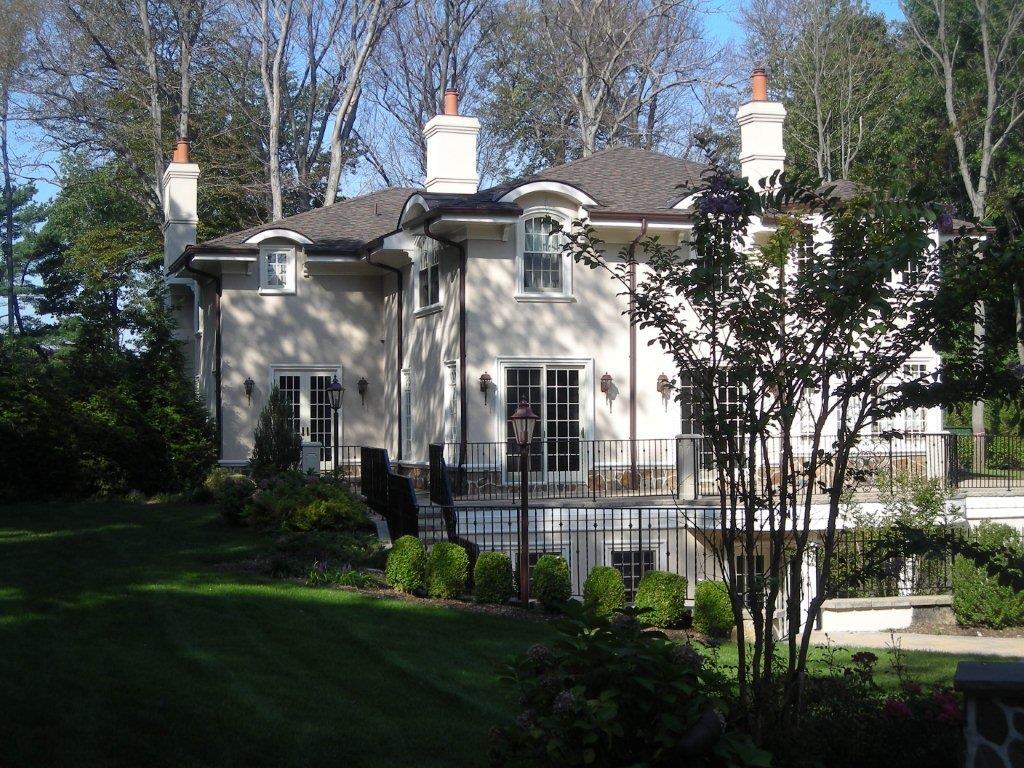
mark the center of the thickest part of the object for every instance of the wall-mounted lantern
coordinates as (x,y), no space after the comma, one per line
(664,385)
(361,386)
(485,384)
(606,383)
(248,384)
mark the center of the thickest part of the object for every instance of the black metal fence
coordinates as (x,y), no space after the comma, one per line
(564,469)
(349,463)
(634,541)
(864,565)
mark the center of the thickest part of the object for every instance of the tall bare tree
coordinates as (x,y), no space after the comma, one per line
(831,60)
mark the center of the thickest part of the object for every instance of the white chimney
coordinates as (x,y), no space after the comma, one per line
(761,150)
(451,149)
(181,203)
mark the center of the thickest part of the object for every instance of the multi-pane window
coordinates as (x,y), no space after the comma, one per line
(278,273)
(321,426)
(291,390)
(429,275)
(913,274)
(915,420)
(748,576)
(523,384)
(562,419)
(542,260)
(632,564)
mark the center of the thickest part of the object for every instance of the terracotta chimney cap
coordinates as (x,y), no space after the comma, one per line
(759,84)
(451,102)
(180,151)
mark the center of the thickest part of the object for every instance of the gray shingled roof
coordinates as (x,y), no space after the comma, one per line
(618,178)
(346,226)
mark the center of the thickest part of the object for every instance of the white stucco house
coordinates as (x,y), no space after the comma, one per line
(446,304)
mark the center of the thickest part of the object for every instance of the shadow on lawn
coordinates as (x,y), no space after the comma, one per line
(122,646)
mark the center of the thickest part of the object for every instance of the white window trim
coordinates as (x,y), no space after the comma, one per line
(586,366)
(408,443)
(289,287)
(428,309)
(565,296)
(328,369)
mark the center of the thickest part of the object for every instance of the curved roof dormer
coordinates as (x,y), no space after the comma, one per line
(282,233)
(555,187)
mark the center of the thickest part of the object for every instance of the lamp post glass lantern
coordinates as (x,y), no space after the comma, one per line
(335,394)
(524,420)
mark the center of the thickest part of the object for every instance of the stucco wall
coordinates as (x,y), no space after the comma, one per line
(331,319)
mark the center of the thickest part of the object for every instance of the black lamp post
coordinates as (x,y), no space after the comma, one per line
(335,394)
(523,422)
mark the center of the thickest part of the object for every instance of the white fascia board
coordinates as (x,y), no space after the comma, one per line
(581,197)
(223,257)
(482,219)
(288,234)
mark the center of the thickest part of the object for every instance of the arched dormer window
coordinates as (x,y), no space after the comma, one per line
(544,273)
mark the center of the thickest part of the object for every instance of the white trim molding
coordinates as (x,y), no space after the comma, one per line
(288,287)
(288,234)
(557,187)
(563,217)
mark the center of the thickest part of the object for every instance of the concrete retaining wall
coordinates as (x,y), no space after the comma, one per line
(877,614)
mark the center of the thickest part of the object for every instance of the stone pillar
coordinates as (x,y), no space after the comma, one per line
(994,727)
(310,457)
(687,485)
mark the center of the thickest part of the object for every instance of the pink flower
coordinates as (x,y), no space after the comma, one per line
(896,710)
(947,707)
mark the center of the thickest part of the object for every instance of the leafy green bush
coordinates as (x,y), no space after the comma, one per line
(552,584)
(230,491)
(712,609)
(406,570)
(297,502)
(612,695)
(1005,453)
(979,600)
(447,570)
(321,574)
(661,599)
(294,551)
(276,447)
(492,578)
(604,592)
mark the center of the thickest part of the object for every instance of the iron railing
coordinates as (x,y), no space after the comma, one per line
(564,469)
(349,463)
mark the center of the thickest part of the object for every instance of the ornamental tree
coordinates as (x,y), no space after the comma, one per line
(790,316)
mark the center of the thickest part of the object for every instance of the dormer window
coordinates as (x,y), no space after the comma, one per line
(544,273)
(277,269)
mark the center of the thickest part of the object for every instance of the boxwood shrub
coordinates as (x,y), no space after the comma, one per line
(978,598)
(406,570)
(712,610)
(552,585)
(661,598)
(447,569)
(492,578)
(604,592)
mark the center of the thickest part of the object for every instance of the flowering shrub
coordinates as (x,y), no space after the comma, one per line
(850,722)
(609,693)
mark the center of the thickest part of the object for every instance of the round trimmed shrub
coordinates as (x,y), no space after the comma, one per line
(230,491)
(552,585)
(447,569)
(406,570)
(604,591)
(492,578)
(661,596)
(979,600)
(712,609)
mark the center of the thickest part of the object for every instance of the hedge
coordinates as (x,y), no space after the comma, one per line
(552,585)
(604,591)
(978,598)
(492,578)
(447,570)
(406,569)
(661,598)
(712,609)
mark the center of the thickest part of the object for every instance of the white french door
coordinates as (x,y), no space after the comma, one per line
(305,389)
(555,391)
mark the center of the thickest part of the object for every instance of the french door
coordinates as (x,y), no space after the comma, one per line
(553,391)
(305,390)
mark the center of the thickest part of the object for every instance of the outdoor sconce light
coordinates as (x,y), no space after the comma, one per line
(361,386)
(606,383)
(664,385)
(485,384)
(248,384)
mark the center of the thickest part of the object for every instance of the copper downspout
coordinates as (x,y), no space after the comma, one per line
(461,248)
(216,351)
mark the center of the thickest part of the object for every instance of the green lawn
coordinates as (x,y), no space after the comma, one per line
(123,642)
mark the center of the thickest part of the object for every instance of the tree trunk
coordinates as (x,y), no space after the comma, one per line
(13,311)
(153,96)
